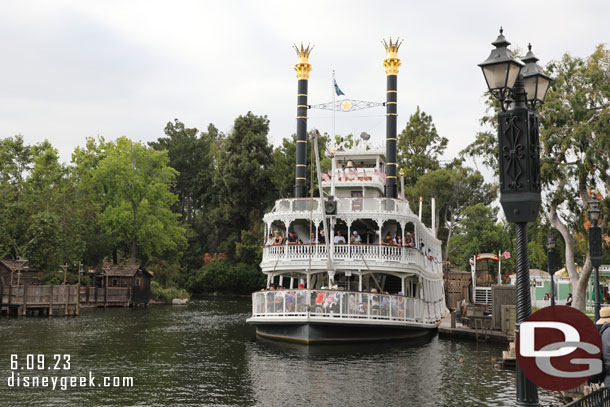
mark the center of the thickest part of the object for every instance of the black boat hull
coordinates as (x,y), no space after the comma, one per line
(326,332)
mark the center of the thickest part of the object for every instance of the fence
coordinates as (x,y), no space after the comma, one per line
(28,297)
(599,398)
(368,252)
(344,305)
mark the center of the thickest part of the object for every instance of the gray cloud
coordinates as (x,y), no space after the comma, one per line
(77,69)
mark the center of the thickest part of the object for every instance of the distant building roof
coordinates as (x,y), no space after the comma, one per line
(15,265)
(123,270)
(534,273)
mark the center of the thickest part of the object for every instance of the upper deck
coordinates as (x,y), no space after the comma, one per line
(362,257)
(357,187)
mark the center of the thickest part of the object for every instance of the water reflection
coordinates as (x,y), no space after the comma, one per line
(205,354)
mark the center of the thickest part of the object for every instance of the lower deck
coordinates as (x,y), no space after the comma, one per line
(338,306)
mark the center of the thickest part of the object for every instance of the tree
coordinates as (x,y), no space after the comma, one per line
(98,242)
(477,232)
(454,187)
(15,163)
(284,160)
(575,140)
(243,180)
(133,185)
(419,147)
(189,154)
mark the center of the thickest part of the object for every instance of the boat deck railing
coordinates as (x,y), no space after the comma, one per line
(339,304)
(344,204)
(372,253)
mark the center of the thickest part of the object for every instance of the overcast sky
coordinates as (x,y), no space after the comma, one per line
(73,69)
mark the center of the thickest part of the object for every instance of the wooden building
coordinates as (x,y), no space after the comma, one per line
(134,278)
(17,272)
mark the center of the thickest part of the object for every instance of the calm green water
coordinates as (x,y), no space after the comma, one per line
(205,354)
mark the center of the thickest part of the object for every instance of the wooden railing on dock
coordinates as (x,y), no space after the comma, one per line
(60,299)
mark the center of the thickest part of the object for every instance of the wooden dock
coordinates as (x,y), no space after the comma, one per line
(46,300)
(479,334)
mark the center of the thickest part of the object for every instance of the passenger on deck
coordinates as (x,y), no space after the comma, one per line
(277,239)
(320,300)
(398,305)
(289,301)
(322,238)
(329,303)
(339,239)
(292,238)
(356,239)
(387,240)
(409,240)
(374,301)
(312,239)
(385,304)
(269,240)
(398,240)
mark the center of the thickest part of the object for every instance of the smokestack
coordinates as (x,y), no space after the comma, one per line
(391,63)
(303,68)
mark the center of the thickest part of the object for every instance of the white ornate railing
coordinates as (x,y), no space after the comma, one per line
(357,204)
(373,253)
(345,305)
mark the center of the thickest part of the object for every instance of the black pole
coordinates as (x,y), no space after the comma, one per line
(597,294)
(595,254)
(391,184)
(552,289)
(551,271)
(300,184)
(527,392)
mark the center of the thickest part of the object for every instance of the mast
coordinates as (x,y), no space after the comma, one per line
(333,142)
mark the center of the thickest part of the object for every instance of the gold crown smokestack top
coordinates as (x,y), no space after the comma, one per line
(391,63)
(303,67)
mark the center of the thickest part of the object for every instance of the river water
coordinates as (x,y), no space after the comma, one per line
(204,354)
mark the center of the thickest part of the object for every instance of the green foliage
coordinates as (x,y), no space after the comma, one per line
(478,233)
(223,277)
(132,184)
(454,187)
(165,273)
(575,141)
(242,181)
(167,294)
(283,170)
(190,155)
(15,162)
(419,147)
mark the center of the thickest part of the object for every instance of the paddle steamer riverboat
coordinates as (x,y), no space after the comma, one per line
(365,286)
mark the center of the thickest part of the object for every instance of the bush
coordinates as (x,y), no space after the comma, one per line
(222,276)
(167,294)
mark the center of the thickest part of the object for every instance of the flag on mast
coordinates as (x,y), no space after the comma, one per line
(339,92)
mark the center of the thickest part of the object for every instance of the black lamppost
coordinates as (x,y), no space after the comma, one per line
(595,249)
(519,159)
(550,246)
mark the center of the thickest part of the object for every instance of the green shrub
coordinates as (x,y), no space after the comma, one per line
(167,294)
(222,276)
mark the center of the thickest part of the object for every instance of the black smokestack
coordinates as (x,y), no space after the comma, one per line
(391,64)
(391,185)
(300,186)
(303,68)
